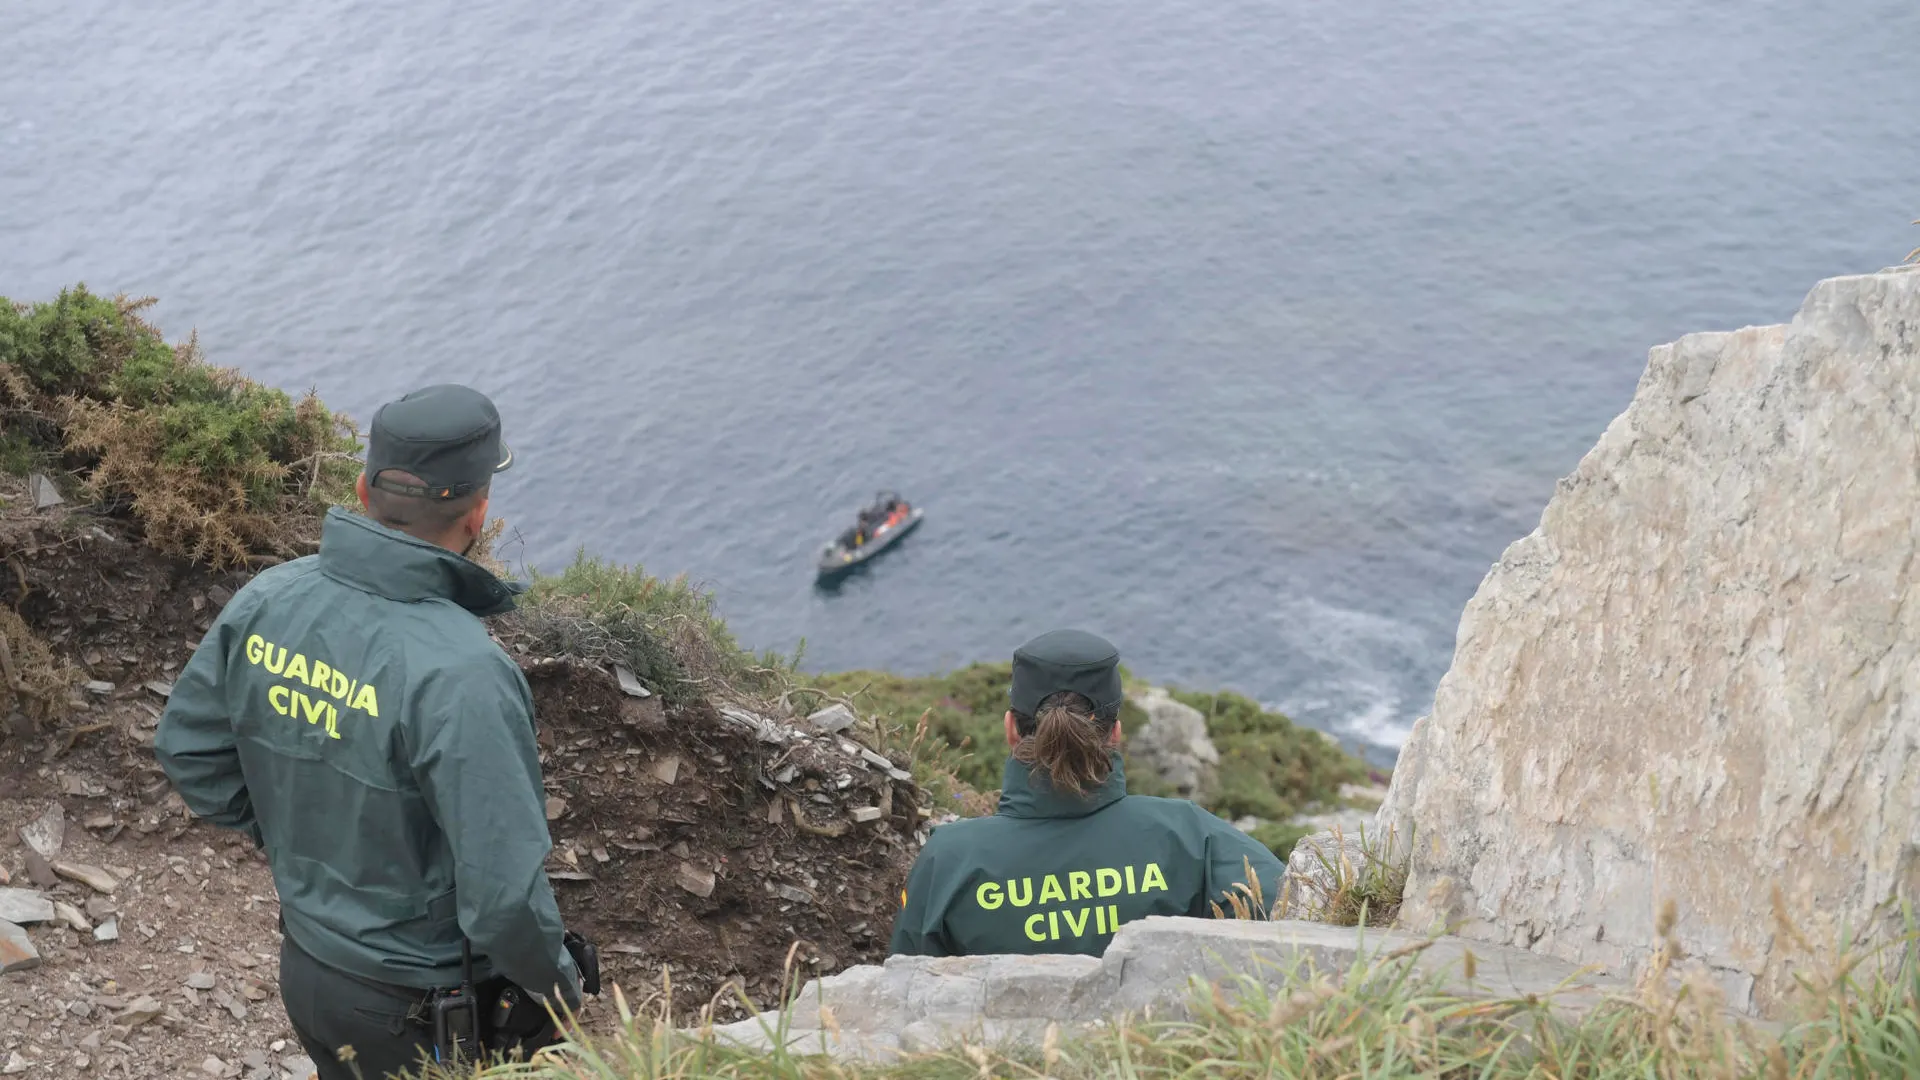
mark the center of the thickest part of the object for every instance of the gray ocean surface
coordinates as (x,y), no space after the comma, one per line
(1247,334)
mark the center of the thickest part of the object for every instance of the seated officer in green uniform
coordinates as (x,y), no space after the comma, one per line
(1070,857)
(350,713)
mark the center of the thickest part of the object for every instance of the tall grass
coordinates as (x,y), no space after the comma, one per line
(1382,1019)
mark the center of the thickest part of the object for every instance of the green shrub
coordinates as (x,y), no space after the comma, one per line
(215,466)
(1279,837)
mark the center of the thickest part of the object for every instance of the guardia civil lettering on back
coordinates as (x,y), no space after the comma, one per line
(350,712)
(1070,857)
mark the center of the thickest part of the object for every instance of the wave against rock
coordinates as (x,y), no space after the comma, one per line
(1697,678)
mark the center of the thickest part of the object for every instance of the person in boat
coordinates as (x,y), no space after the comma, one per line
(1071,857)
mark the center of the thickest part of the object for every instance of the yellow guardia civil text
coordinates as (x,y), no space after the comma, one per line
(1074,885)
(309,688)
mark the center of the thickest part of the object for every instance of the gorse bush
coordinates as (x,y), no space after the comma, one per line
(214,466)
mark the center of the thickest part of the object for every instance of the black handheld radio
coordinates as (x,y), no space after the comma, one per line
(456,1016)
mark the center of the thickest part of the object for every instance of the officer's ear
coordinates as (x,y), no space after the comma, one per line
(476,520)
(1113,737)
(360,489)
(1013,730)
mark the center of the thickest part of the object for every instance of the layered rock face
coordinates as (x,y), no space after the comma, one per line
(1697,678)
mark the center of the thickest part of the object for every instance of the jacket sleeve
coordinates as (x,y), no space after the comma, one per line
(1230,853)
(195,742)
(476,762)
(917,931)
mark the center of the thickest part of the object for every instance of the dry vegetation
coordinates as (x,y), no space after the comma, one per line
(216,467)
(1857,1017)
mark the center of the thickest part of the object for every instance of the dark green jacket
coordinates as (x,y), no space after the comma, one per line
(1053,873)
(350,713)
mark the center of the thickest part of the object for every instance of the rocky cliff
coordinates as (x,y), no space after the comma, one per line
(1696,679)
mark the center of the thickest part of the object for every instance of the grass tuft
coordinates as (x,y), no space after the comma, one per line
(1350,892)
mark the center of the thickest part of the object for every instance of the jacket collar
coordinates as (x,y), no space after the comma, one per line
(360,552)
(1022,795)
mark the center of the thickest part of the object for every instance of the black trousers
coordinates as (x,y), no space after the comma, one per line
(330,1009)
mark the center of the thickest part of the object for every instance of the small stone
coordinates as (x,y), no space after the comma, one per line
(99,907)
(141,1011)
(866,813)
(277,1045)
(81,1061)
(46,496)
(300,1068)
(108,930)
(556,807)
(91,1042)
(46,833)
(218,596)
(213,1066)
(70,915)
(25,906)
(600,855)
(629,682)
(16,949)
(91,876)
(200,980)
(878,761)
(15,1064)
(39,871)
(832,720)
(231,1004)
(160,687)
(98,686)
(80,1009)
(695,880)
(667,769)
(99,821)
(254,1059)
(253,991)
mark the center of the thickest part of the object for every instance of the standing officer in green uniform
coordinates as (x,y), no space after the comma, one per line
(350,713)
(1070,857)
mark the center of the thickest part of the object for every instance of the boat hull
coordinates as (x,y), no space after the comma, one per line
(836,563)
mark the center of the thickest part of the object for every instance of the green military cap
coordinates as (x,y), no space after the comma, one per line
(1060,660)
(447,435)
